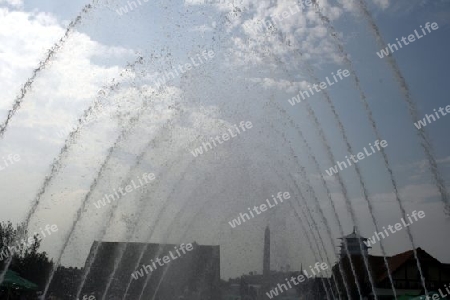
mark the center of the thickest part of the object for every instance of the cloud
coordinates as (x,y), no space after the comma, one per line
(261,29)
(70,80)
(410,193)
(382,3)
(202,28)
(280,84)
(24,38)
(419,169)
(13,3)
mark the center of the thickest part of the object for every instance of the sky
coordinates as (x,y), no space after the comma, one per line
(120,60)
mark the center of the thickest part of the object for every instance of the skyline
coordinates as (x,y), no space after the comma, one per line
(249,77)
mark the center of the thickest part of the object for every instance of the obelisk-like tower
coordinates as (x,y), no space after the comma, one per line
(266,262)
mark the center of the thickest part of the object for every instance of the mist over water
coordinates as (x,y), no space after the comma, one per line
(167,88)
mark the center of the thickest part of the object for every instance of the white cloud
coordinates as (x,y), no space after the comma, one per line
(281,84)
(202,28)
(67,84)
(382,3)
(24,39)
(419,169)
(13,3)
(295,28)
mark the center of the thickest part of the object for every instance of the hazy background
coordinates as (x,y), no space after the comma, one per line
(249,71)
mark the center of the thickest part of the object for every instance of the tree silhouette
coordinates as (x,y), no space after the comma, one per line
(26,260)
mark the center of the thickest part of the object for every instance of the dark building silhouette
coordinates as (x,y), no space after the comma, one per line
(403,268)
(193,275)
(65,282)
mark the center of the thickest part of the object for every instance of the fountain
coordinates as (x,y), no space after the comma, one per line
(196,106)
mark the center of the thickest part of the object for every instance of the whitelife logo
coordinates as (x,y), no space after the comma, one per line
(12,158)
(25,243)
(431,118)
(225,137)
(146,177)
(411,38)
(322,85)
(162,80)
(86,297)
(297,280)
(360,156)
(166,259)
(397,226)
(263,208)
(441,295)
(124,9)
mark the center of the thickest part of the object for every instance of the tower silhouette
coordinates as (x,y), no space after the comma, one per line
(266,261)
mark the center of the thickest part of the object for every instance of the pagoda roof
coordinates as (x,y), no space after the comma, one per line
(353,235)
